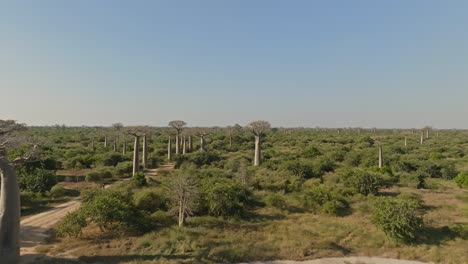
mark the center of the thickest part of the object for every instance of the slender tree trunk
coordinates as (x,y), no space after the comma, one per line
(105,142)
(92,145)
(406,143)
(181,213)
(124,149)
(9,213)
(380,157)
(169,149)
(177,143)
(427,133)
(190,144)
(145,151)
(136,162)
(230,141)
(184,151)
(202,143)
(422,137)
(258,151)
(115,144)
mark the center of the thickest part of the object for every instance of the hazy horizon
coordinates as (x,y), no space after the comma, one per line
(395,64)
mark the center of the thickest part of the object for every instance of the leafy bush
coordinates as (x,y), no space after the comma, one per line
(275,200)
(462,180)
(397,217)
(37,180)
(149,200)
(224,197)
(57,191)
(124,168)
(139,179)
(364,182)
(312,152)
(93,177)
(72,224)
(322,198)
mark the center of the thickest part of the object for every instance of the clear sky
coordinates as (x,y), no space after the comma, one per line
(399,63)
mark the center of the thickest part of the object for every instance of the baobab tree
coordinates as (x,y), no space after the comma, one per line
(232,131)
(380,157)
(169,149)
(118,128)
(10,194)
(136,146)
(178,125)
(258,128)
(183,192)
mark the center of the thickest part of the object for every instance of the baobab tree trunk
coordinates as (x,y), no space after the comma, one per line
(145,151)
(9,213)
(124,149)
(136,162)
(427,133)
(380,157)
(177,142)
(169,149)
(115,144)
(230,141)
(422,137)
(406,143)
(202,143)
(258,151)
(183,146)
(190,144)
(92,145)
(105,142)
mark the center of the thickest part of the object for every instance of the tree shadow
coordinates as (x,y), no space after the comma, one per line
(436,235)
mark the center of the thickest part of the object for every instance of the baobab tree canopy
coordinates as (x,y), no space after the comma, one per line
(258,127)
(177,124)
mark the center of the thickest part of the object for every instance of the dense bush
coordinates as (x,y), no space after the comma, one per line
(124,168)
(57,191)
(37,180)
(397,217)
(276,200)
(364,182)
(462,180)
(150,200)
(139,179)
(224,197)
(322,198)
(72,224)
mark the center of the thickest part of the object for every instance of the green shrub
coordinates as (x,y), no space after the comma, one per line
(37,180)
(162,218)
(93,177)
(364,182)
(57,191)
(124,168)
(312,152)
(322,198)
(224,197)
(72,224)
(149,200)
(462,180)
(275,200)
(139,179)
(397,218)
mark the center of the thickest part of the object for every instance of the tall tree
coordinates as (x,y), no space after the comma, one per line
(10,194)
(169,149)
(183,192)
(258,128)
(178,125)
(137,134)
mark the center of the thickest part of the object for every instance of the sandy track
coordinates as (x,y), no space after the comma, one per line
(347,260)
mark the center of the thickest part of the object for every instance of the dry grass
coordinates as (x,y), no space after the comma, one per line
(273,234)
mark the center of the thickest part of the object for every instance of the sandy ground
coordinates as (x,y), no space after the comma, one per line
(35,229)
(347,260)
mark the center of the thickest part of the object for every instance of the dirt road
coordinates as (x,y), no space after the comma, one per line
(347,260)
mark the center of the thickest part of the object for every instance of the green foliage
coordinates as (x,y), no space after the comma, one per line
(462,180)
(124,168)
(275,200)
(322,198)
(312,152)
(150,200)
(72,224)
(224,197)
(37,180)
(58,191)
(397,217)
(364,182)
(139,179)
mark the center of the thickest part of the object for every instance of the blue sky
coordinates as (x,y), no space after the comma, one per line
(295,63)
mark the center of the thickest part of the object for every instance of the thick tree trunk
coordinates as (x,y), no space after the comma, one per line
(422,137)
(136,162)
(177,142)
(258,151)
(427,133)
(406,143)
(190,144)
(202,143)
(169,149)
(115,144)
(380,157)
(145,151)
(184,151)
(9,213)
(230,141)
(92,145)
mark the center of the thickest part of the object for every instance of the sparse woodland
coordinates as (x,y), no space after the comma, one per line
(249,193)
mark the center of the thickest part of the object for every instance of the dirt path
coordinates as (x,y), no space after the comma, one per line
(347,260)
